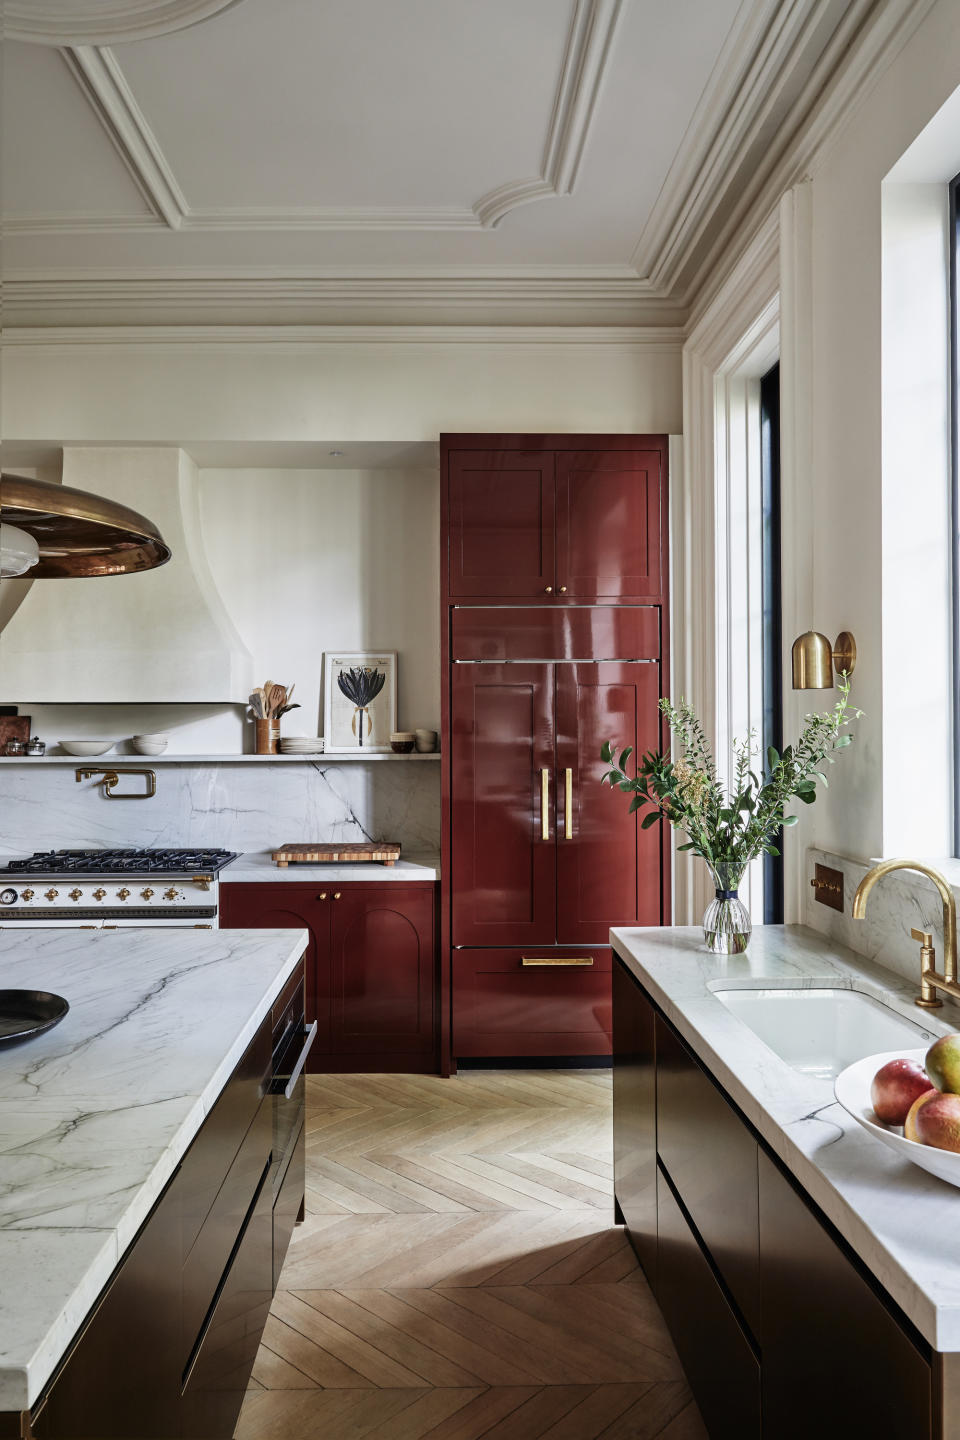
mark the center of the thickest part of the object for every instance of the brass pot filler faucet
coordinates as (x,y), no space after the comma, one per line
(930,980)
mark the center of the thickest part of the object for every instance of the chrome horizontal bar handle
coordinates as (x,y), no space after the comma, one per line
(529,960)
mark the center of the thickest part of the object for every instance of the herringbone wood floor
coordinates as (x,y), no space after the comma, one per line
(459,1274)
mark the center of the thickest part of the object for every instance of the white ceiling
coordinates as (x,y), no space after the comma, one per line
(372,159)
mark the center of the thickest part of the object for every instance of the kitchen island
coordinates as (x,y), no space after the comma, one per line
(810,1277)
(113,1145)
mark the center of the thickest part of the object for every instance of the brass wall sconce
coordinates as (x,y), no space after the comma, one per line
(815,659)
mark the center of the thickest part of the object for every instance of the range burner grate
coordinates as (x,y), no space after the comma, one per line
(122,862)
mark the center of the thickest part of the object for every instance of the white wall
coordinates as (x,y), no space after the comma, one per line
(314,560)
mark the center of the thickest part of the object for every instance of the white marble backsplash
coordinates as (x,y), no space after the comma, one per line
(236,807)
(897,904)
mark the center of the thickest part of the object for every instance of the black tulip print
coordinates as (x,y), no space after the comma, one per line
(361,685)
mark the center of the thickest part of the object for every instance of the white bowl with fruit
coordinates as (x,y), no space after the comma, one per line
(910,1100)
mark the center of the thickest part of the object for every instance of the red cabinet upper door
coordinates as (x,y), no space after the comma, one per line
(608,869)
(500,522)
(503,872)
(609,525)
(382,970)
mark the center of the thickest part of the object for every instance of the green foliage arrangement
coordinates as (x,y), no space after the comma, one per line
(730,825)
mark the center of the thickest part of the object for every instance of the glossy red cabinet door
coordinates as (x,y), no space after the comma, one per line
(546,1006)
(609,525)
(382,970)
(502,831)
(285,906)
(608,869)
(500,522)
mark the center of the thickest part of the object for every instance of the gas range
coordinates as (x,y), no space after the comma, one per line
(104,889)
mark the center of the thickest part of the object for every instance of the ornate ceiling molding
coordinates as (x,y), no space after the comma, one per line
(587,50)
(103,22)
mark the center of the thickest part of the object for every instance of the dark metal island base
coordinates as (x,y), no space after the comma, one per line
(788,1323)
(167,1347)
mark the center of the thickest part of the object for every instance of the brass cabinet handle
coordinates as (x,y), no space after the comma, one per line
(336,895)
(563,589)
(528,960)
(544,804)
(322,895)
(568,805)
(548,589)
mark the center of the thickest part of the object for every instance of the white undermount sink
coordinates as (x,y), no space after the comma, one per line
(820,1032)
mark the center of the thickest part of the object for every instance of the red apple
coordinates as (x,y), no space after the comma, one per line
(895,1087)
(910,1124)
(938,1122)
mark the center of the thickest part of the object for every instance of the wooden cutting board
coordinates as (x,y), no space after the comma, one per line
(384,851)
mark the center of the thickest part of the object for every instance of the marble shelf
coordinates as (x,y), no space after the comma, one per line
(114,758)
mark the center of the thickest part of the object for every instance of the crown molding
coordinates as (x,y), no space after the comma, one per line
(588,46)
(96,71)
(661,339)
(103,22)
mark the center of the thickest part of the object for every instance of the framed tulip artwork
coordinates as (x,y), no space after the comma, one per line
(359,701)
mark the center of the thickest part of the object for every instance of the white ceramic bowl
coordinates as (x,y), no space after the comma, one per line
(86,747)
(852,1089)
(150,744)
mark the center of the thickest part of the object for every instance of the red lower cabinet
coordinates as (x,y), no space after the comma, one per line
(535,1001)
(371,966)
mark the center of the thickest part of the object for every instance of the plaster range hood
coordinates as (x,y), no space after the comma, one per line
(158,636)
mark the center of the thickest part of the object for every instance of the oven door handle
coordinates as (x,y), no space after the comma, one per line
(301,1059)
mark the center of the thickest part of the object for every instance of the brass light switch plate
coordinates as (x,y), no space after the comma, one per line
(828,885)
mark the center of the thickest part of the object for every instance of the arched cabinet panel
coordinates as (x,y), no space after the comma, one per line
(381,973)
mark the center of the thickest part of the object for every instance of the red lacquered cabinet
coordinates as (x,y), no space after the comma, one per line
(555,591)
(370,966)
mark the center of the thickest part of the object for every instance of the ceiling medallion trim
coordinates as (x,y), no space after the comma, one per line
(103,22)
(587,50)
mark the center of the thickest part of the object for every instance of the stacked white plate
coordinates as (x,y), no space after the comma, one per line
(301,745)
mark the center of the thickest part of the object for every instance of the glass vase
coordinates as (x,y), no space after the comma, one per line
(726,922)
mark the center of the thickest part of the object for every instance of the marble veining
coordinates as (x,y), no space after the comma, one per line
(235,807)
(96,1113)
(898,1219)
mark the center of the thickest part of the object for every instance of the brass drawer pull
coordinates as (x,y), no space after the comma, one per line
(556,960)
(568,805)
(544,804)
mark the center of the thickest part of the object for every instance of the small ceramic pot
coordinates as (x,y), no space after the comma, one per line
(402,741)
(426,741)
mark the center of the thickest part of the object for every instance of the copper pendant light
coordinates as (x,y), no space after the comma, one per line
(79,534)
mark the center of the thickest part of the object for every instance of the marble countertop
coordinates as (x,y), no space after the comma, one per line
(900,1221)
(257,865)
(96,1114)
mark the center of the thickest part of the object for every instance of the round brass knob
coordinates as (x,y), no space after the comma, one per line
(27,895)
(99,893)
(322,895)
(548,589)
(563,589)
(337,895)
(147,894)
(51,894)
(123,893)
(75,894)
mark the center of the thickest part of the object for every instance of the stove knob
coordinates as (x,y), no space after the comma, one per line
(99,893)
(51,894)
(147,894)
(122,894)
(170,894)
(27,895)
(8,897)
(75,894)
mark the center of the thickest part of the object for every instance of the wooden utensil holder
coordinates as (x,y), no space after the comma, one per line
(267,737)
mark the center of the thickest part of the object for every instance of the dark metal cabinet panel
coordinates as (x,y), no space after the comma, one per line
(608,868)
(220,1367)
(504,856)
(836,1363)
(501,522)
(711,1157)
(288,1205)
(720,1365)
(609,524)
(503,1007)
(382,971)
(635,1116)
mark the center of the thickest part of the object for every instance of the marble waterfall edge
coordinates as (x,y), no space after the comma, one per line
(235,807)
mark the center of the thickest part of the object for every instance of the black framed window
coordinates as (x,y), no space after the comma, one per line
(772,615)
(954,234)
